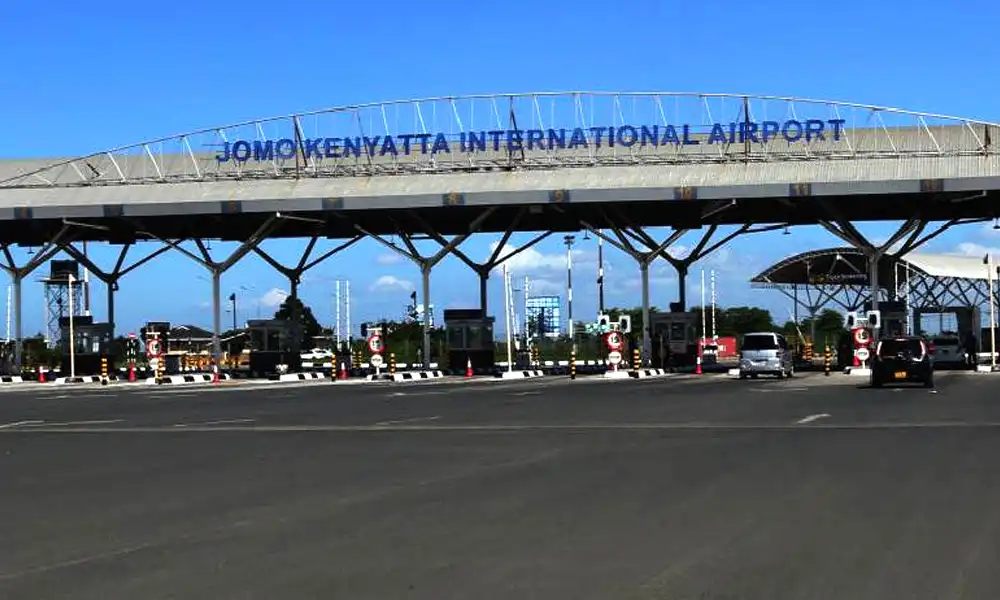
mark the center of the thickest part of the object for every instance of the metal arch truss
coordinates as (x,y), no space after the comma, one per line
(558,129)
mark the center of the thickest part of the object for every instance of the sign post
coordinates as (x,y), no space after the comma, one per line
(615,342)
(376,348)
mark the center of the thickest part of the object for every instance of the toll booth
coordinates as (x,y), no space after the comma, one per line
(470,338)
(91,342)
(675,338)
(894,317)
(272,343)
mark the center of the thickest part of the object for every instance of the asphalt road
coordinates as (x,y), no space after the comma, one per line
(683,487)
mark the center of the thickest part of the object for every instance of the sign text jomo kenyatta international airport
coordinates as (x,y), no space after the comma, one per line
(515,140)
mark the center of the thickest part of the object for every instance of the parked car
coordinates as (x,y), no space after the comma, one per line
(905,359)
(948,349)
(766,353)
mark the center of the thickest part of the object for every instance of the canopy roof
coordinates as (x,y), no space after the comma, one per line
(849,267)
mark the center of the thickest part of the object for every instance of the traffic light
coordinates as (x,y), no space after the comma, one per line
(603,323)
(364,330)
(851,320)
(625,324)
(874,319)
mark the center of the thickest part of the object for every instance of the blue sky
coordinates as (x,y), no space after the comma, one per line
(85,77)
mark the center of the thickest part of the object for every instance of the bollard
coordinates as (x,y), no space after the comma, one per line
(104,370)
(131,371)
(572,364)
(635,360)
(392,363)
(826,361)
(468,367)
(160,367)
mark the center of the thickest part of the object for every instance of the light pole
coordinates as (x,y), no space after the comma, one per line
(600,275)
(569,240)
(993,318)
(232,298)
(72,336)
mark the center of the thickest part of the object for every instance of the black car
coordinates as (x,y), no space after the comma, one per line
(902,360)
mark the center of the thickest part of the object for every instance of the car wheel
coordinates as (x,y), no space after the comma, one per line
(753,376)
(876,382)
(743,375)
(780,374)
(929,382)
(791,372)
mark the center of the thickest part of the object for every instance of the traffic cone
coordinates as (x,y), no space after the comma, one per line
(215,372)
(131,372)
(343,371)
(41,374)
(468,367)
(697,366)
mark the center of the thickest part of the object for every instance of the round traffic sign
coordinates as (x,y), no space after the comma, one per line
(862,354)
(614,341)
(376,360)
(153,347)
(375,344)
(615,357)
(861,336)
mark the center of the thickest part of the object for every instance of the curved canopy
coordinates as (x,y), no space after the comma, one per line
(849,267)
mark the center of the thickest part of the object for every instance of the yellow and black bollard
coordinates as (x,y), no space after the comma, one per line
(808,352)
(392,363)
(161,366)
(635,360)
(826,361)
(572,364)
(104,370)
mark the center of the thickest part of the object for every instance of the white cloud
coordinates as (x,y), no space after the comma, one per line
(388,258)
(273,298)
(533,261)
(543,287)
(388,283)
(977,250)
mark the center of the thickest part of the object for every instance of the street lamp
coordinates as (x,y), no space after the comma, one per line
(988,261)
(569,240)
(72,337)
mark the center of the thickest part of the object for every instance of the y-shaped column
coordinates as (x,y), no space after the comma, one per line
(17,275)
(217,268)
(294,275)
(110,278)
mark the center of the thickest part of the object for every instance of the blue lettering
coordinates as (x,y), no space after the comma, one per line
(536,137)
(688,141)
(424,138)
(598,134)
(670,136)
(331,147)
(312,148)
(406,138)
(514,141)
(441,144)
(388,147)
(786,131)
(814,129)
(627,136)
(732,132)
(557,139)
(611,137)
(750,132)
(837,125)
(225,155)
(769,129)
(477,143)
(370,144)
(285,149)
(352,146)
(649,138)
(579,138)
(495,136)
(718,135)
(263,150)
(241,151)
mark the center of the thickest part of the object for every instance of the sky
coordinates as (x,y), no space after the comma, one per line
(80,78)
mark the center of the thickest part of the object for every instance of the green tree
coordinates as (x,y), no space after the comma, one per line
(307,321)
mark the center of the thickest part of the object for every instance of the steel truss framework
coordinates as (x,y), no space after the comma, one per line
(629,240)
(299,148)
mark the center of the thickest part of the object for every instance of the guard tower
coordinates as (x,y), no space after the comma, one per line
(57,297)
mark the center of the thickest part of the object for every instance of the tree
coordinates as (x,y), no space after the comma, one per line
(307,321)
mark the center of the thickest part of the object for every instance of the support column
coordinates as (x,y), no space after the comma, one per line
(682,273)
(484,277)
(216,313)
(647,344)
(425,282)
(112,288)
(18,323)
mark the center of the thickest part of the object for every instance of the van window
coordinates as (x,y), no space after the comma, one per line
(760,342)
(945,341)
(892,348)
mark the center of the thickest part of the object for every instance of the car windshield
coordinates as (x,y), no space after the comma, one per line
(945,341)
(900,347)
(760,342)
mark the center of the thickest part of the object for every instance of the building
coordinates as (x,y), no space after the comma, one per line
(544,316)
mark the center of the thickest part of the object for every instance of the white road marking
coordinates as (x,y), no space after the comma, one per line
(402,421)
(525,393)
(19,424)
(70,423)
(219,422)
(812,418)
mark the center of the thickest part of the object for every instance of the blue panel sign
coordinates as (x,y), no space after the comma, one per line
(516,140)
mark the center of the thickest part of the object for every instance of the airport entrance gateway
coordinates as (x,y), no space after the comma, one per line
(432,173)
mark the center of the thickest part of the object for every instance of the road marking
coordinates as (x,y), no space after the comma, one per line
(402,421)
(525,393)
(19,424)
(812,418)
(70,423)
(210,423)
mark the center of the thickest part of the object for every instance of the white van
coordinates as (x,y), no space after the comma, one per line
(765,353)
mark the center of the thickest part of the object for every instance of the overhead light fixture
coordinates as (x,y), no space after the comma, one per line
(786,232)
(996,224)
